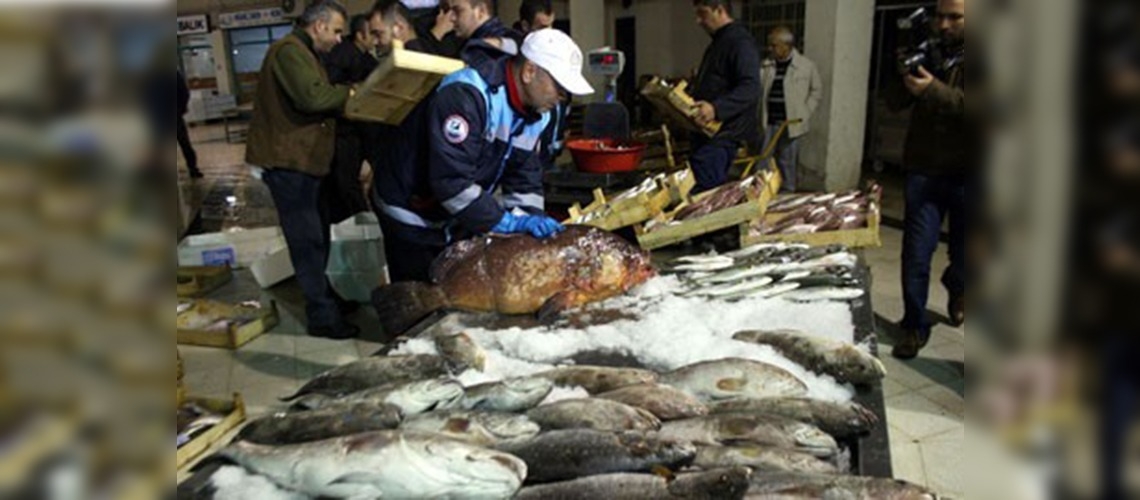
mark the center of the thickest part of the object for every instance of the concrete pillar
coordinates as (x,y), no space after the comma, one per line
(587,26)
(838,38)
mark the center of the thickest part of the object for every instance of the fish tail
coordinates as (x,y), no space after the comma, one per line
(402,305)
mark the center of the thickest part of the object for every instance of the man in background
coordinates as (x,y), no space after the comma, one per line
(792,91)
(727,89)
(938,163)
(534,15)
(349,63)
(292,136)
(183,131)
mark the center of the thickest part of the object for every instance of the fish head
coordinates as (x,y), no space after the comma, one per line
(639,269)
(814,440)
(509,426)
(529,387)
(480,470)
(860,366)
(434,393)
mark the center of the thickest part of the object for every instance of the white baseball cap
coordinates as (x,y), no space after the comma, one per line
(555,52)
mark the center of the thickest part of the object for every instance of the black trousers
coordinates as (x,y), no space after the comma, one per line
(342,193)
(186,147)
(408,257)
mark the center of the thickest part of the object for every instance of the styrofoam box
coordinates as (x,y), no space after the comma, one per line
(236,248)
(273,268)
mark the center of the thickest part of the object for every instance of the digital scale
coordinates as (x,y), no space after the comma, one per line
(609,63)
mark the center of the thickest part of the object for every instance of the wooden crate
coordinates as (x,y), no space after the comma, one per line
(627,209)
(676,105)
(401,81)
(853,238)
(733,216)
(234,411)
(236,335)
(196,281)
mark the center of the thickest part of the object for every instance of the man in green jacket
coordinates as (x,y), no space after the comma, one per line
(292,137)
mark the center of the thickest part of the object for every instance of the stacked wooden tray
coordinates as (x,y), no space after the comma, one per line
(637,204)
(196,281)
(867,236)
(234,411)
(402,80)
(676,104)
(244,322)
(662,230)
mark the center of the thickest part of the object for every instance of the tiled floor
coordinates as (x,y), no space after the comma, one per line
(924,395)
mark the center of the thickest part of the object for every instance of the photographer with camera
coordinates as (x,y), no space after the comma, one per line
(938,162)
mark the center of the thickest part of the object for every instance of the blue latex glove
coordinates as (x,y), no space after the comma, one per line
(539,226)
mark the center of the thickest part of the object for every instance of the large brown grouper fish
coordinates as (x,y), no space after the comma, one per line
(518,274)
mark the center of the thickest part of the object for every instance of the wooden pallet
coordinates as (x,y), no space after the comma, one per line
(676,104)
(853,238)
(236,335)
(633,205)
(234,411)
(402,80)
(672,234)
(196,281)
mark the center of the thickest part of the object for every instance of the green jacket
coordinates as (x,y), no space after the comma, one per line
(294,109)
(940,139)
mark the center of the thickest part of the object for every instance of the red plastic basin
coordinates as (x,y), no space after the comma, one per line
(600,156)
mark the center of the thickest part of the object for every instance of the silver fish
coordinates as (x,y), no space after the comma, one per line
(764,292)
(593,413)
(778,432)
(412,398)
(372,372)
(461,352)
(313,425)
(478,427)
(841,360)
(666,402)
(711,265)
(730,288)
(796,486)
(823,293)
(725,483)
(838,419)
(737,274)
(761,459)
(572,453)
(598,379)
(510,395)
(732,378)
(385,464)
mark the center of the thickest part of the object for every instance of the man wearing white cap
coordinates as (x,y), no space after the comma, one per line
(483,128)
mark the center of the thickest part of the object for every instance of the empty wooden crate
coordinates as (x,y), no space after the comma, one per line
(402,80)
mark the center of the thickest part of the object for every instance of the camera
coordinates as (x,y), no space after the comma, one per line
(917,47)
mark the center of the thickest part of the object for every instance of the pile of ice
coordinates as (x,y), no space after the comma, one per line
(668,332)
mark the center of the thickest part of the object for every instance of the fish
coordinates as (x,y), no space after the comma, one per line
(702,259)
(412,397)
(789,203)
(722,483)
(461,352)
(666,402)
(384,464)
(510,395)
(729,428)
(841,360)
(593,413)
(761,459)
(838,419)
(799,486)
(518,274)
(324,423)
(823,293)
(711,265)
(478,427)
(737,274)
(598,379)
(731,378)
(371,372)
(571,453)
(733,288)
(824,279)
(763,292)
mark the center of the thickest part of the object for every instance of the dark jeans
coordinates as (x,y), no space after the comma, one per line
(1118,413)
(305,223)
(341,189)
(928,200)
(408,258)
(710,161)
(187,148)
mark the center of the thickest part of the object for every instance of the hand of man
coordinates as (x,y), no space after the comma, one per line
(918,84)
(704,112)
(539,226)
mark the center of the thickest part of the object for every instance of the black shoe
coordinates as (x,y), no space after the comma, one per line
(908,346)
(345,331)
(346,307)
(196,174)
(956,310)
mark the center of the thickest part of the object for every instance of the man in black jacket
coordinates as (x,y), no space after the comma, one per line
(727,88)
(183,132)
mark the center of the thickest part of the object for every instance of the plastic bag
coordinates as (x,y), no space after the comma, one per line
(356,257)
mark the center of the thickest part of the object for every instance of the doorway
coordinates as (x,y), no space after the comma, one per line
(625,40)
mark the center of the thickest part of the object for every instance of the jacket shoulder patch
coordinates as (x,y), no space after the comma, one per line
(455,129)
